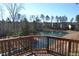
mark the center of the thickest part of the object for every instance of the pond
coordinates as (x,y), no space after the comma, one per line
(42,42)
(53,33)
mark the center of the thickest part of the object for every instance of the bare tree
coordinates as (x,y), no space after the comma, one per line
(57,19)
(14,9)
(47,18)
(37,19)
(71,20)
(52,20)
(1,17)
(1,11)
(63,19)
(32,17)
(42,17)
(77,19)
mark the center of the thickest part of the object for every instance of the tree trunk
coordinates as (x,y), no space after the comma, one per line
(14,27)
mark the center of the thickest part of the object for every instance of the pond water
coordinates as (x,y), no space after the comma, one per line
(53,33)
(42,42)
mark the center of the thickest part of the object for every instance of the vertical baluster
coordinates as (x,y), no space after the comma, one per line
(21,48)
(55,49)
(13,48)
(72,48)
(66,47)
(63,49)
(38,47)
(31,45)
(51,44)
(76,48)
(54,44)
(0,48)
(2,51)
(24,44)
(9,48)
(39,43)
(43,42)
(47,44)
(19,44)
(62,43)
(57,46)
(35,44)
(27,44)
(60,46)
(69,48)
(16,47)
(4,48)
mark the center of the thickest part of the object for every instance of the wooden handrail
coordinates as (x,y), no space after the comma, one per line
(34,36)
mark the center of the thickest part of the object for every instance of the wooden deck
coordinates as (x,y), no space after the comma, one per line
(37,53)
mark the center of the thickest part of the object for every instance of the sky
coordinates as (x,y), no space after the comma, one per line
(52,9)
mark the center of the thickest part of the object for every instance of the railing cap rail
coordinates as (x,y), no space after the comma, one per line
(35,36)
(14,38)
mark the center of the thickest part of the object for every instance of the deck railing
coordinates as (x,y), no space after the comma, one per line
(64,47)
(34,43)
(15,46)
